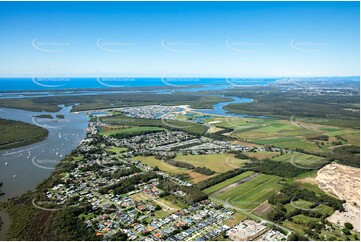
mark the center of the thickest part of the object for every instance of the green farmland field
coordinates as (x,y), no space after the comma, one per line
(227,182)
(252,193)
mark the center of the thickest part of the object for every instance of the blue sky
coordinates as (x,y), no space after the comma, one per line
(202,39)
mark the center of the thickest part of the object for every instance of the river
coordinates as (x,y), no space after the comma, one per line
(23,168)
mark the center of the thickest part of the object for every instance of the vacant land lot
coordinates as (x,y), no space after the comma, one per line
(252,193)
(344,182)
(219,163)
(263,209)
(194,177)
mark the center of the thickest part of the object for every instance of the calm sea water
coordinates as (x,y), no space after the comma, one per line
(47,84)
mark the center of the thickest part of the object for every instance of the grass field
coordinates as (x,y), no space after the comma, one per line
(302,219)
(131,131)
(227,182)
(219,163)
(235,219)
(298,204)
(117,149)
(301,160)
(252,193)
(194,177)
(175,200)
(262,154)
(324,209)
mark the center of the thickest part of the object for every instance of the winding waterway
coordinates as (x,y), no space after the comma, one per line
(23,168)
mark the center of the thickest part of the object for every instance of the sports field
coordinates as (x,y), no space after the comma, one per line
(252,193)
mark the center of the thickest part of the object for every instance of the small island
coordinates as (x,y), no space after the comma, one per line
(44,116)
(17,133)
(60,116)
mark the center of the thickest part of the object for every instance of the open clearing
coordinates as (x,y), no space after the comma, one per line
(262,154)
(301,160)
(163,166)
(344,182)
(131,131)
(227,182)
(117,149)
(167,206)
(235,219)
(219,163)
(263,209)
(236,184)
(252,193)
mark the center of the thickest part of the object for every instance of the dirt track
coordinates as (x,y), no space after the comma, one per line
(343,182)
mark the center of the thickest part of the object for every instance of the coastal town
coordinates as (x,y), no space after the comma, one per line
(143,210)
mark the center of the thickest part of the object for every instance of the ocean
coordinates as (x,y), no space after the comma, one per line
(47,84)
